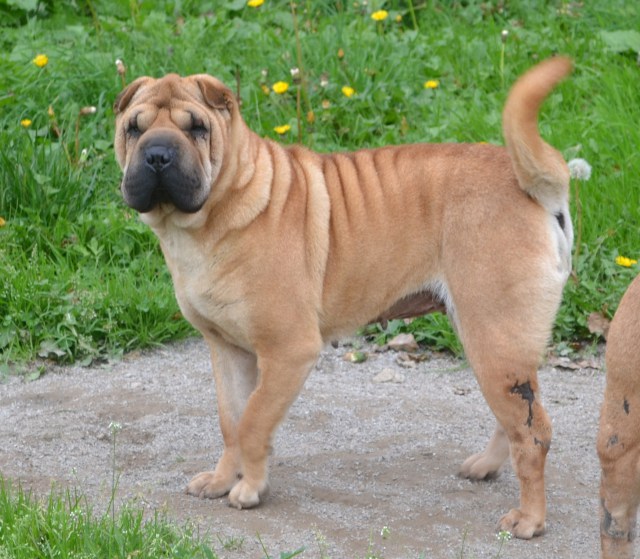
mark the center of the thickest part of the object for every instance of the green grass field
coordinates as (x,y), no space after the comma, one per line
(83,279)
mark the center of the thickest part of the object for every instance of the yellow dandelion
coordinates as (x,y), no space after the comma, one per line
(398,18)
(280,87)
(380,15)
(431,84)
(41,60)
(255,3)
(624,261)
(282,129)
(25,122)
(348,91)
(265,89)
(2,222)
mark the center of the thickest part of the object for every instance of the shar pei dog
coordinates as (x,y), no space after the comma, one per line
(619,435)
(275,250)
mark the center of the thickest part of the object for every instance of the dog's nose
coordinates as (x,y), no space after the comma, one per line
(158,158)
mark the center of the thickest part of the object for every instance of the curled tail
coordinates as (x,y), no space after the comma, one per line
(540,169)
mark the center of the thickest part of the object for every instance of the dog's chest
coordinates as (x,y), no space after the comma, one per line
(208,297)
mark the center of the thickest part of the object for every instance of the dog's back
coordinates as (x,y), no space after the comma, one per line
(619,436)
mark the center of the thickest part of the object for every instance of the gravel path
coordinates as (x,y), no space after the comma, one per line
(360,466)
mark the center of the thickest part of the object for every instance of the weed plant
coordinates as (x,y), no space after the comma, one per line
(82,279)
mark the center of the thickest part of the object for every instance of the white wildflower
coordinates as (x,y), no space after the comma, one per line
(579,169)
(504,536)
(115,427)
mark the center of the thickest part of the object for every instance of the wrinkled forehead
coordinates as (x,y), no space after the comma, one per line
(169,92)
(170,99)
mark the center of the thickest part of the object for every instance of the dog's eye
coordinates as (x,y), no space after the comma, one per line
(198,128)
(132,128)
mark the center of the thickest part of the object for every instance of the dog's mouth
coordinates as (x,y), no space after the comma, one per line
(160,177)
(145,192)
(158,197)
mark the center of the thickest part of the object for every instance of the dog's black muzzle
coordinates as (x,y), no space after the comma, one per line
(161,174)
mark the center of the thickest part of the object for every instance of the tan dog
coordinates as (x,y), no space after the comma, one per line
(619,436)
(275,250)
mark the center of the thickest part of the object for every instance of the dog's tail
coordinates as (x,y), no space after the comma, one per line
(540,169)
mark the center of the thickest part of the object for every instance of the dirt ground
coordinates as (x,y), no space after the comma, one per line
(361,468)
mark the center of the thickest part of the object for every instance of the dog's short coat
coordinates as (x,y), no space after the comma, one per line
(619,434)
(275,250)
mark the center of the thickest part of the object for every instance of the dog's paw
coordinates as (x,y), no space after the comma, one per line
(521,525)
(245,495)
(210,485)
(480,466)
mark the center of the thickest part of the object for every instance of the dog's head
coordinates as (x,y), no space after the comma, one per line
(170,140)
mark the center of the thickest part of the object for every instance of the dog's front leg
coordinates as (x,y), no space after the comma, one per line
(282,372)
(235,372)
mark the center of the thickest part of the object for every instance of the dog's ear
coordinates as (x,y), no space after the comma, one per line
(124,97)
(216,94)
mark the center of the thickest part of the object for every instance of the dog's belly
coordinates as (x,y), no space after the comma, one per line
(417,304)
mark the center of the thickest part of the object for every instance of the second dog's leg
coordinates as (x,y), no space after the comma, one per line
(619,452)
(619,434)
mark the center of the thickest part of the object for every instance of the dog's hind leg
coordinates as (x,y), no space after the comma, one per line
(486,464)
(235,372)
(504,335)
(511,389)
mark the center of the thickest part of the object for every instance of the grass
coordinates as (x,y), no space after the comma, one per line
(65,527)
(82,279)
